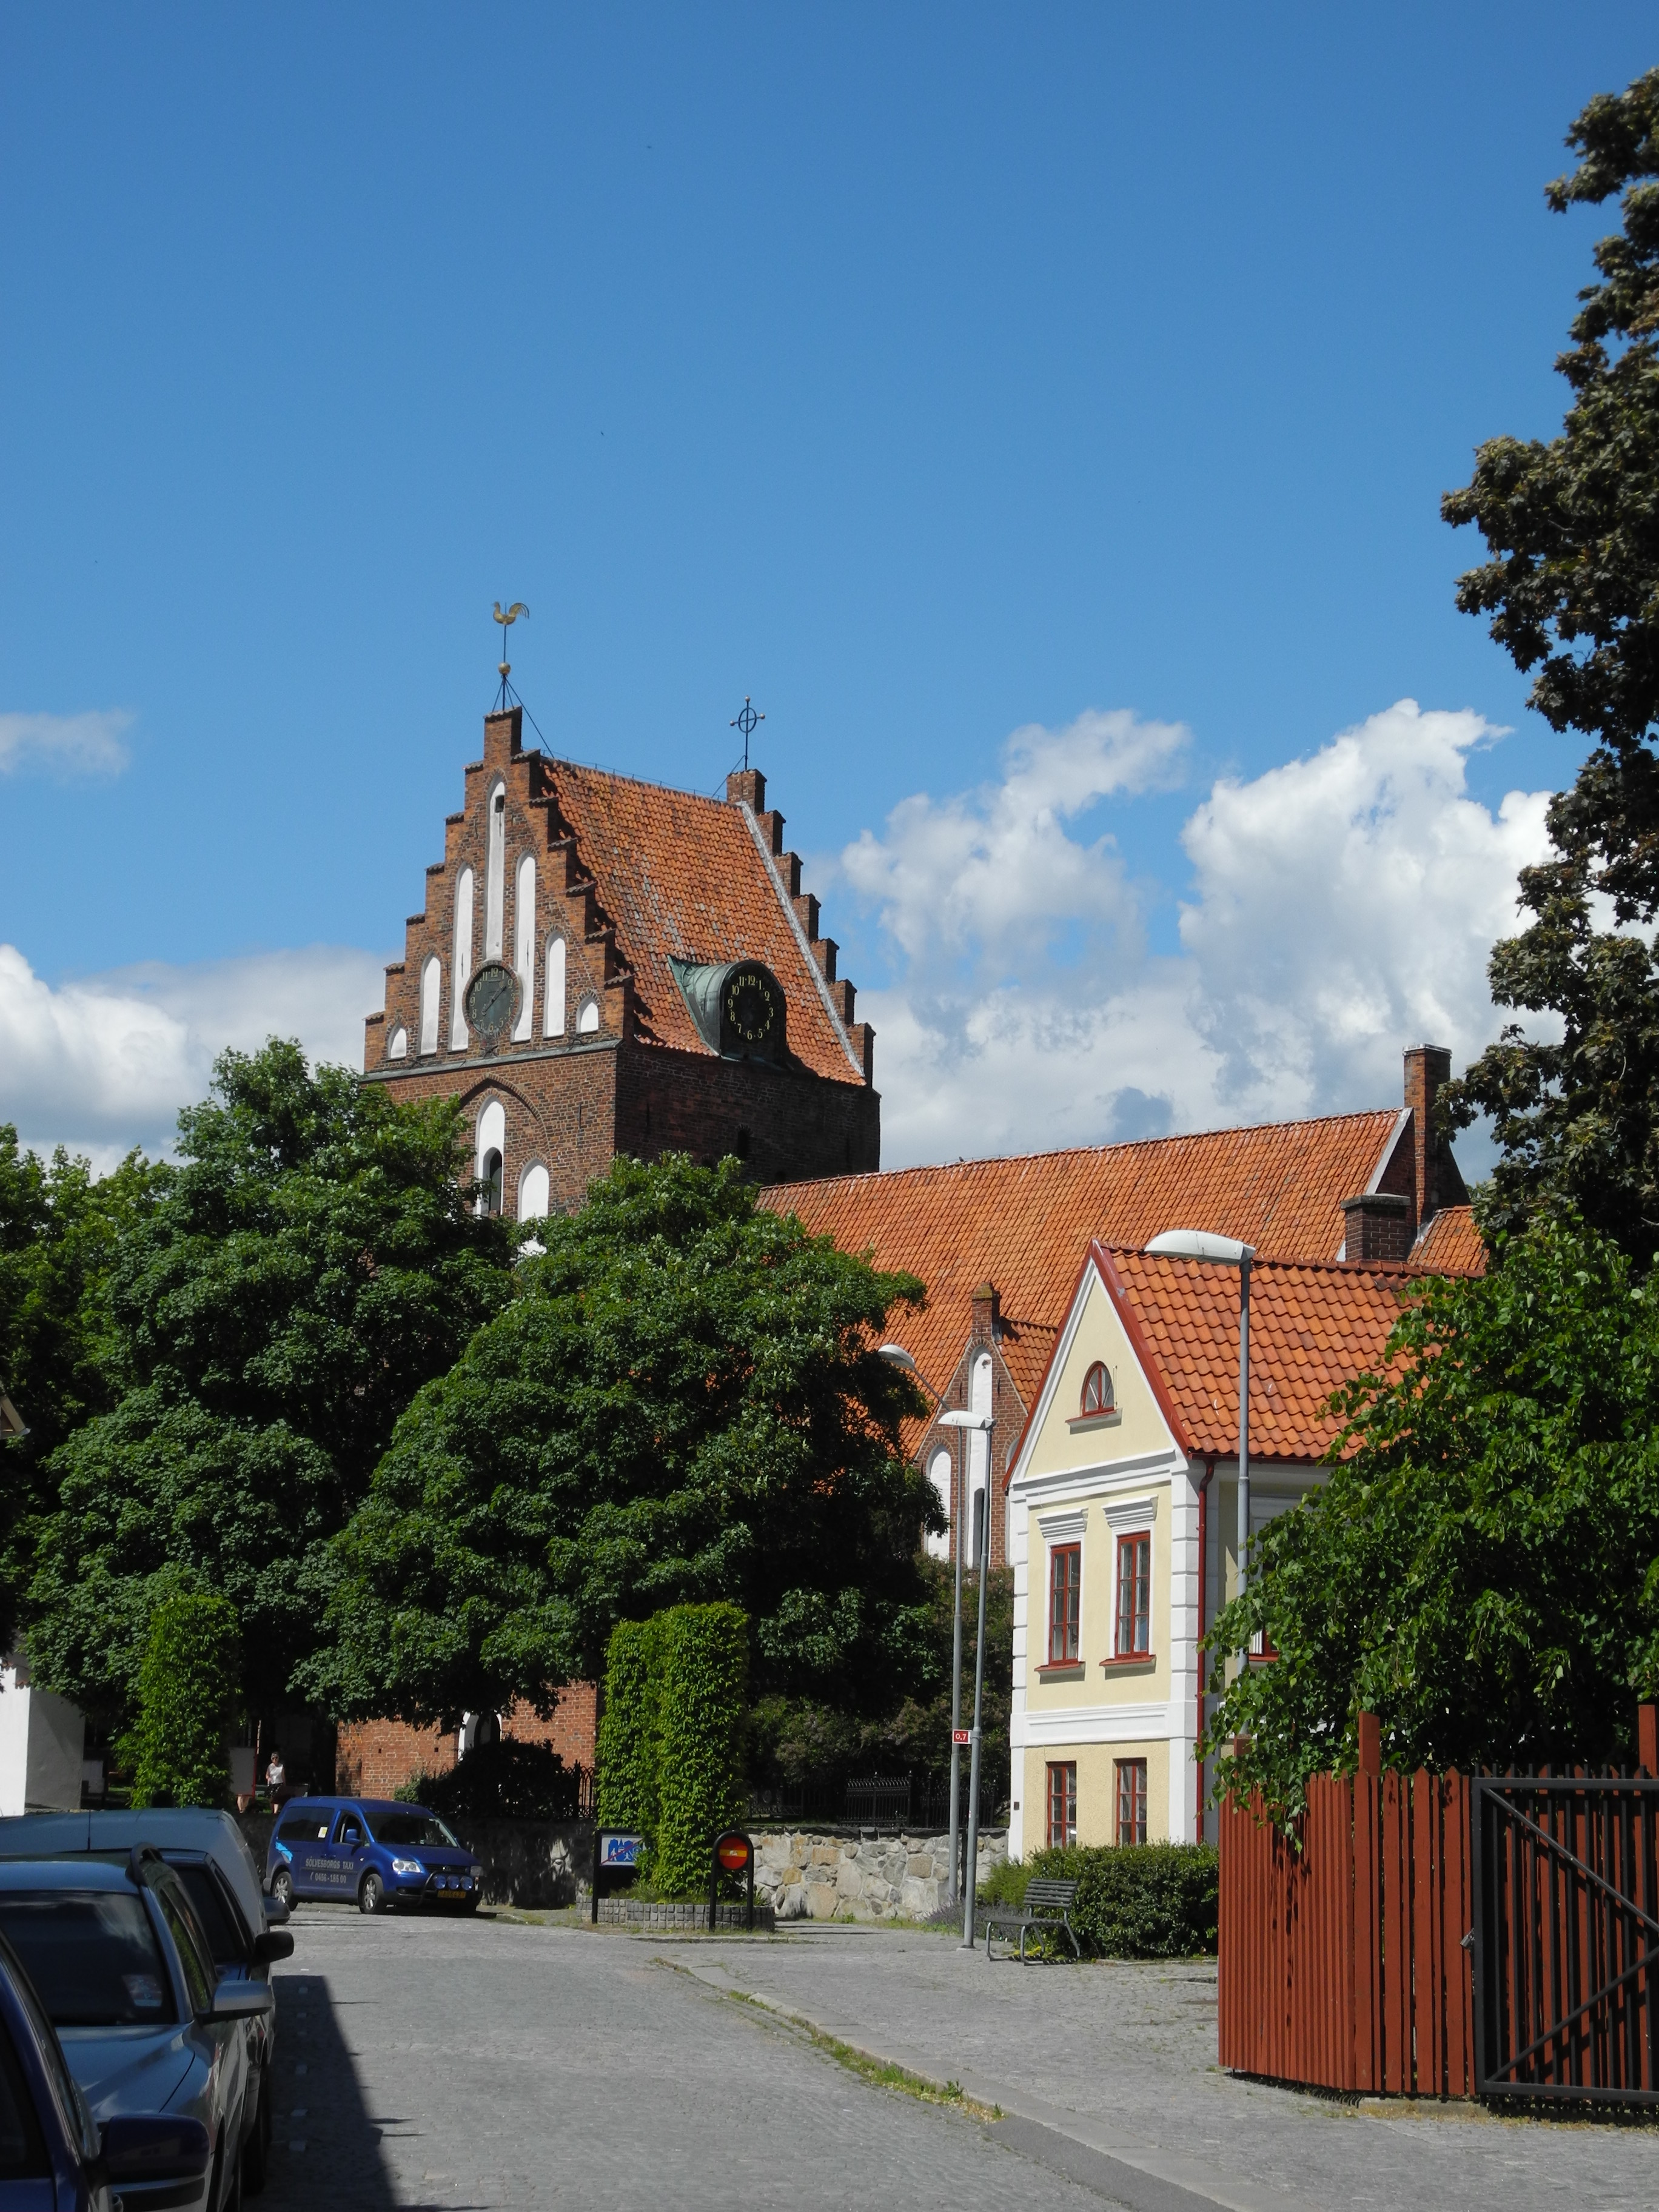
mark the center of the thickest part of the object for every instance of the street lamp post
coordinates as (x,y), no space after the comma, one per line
(897,1356)
(1226,1252)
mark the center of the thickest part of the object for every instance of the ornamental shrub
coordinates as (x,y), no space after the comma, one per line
(699,1734)
(1138,1900)
(626,1754)
(187,1688)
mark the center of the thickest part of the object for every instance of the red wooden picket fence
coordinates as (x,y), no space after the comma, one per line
(1343,1964)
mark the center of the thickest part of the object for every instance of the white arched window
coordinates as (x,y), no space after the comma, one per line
(496,873)
(463,967)
(553,1003)
(523,943)
(589,1020)
(490,1157)
(938,1474)
(533,1193)
(979,1455)
(432,977)
(397,1045)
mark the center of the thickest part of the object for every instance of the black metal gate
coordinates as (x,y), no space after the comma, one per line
(1566,1937)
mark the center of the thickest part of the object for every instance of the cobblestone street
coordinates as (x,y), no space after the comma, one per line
(493,2063)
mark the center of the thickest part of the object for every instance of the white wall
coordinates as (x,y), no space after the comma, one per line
(42,1740)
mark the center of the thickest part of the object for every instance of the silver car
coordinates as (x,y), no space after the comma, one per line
(127,1978)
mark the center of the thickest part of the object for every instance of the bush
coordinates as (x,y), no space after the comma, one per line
(699,1733)
(1137,1900)
(187,1685)
(501,1781)
(1005,1886)
(626,1754)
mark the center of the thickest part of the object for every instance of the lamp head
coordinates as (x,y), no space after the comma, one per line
(897,1356)
(982,1421)
(1203,1245)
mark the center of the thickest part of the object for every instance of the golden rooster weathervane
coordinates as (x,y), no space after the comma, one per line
(505,666)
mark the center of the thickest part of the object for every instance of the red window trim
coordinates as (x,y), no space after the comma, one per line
(1074,1591)
(1141,1797)
(1131,1659)
(1132,1536)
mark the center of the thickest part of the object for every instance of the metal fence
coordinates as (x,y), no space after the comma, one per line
(918,1803)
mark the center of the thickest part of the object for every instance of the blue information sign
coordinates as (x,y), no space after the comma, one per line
(619,1850)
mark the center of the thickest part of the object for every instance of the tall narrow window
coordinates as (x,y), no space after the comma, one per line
(979,1453)
(523,943)
(432,977)
(1132,1801)
(496,873)
(533,1193)
(1134,1596)
(1065,1604)
(462,970)
(397,1044)
(938,1471)
(491,1156)
(553,1002)
(1062,1803)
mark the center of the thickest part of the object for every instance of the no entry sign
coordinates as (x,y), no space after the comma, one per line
(734,1853)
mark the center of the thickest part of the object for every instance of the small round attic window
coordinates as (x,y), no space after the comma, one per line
(1097,1390)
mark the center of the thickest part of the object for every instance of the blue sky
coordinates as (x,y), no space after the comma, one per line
(929,373)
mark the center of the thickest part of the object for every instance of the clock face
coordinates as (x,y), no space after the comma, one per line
(752,1008)
(491,998)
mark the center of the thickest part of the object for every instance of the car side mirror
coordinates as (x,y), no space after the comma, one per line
(275,1943)
(141,2147)
(276,1910)
(241,2000)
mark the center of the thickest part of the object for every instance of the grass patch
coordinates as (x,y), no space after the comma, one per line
(880,2073)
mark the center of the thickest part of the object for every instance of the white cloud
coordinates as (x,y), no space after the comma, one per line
(1342,907)
(107,1061)
(70,744)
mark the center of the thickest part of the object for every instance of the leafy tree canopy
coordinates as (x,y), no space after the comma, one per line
(1571,591)
(1482,1571)
(682,1404)
(58,1234)
(312,1261)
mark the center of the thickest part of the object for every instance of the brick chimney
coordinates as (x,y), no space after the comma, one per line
(987,1312)
(747,783)
(1435,1181)
(1378,1226)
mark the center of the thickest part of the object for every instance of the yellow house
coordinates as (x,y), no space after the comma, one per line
(1122,1517)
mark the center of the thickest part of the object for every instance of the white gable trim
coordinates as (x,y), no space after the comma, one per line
(1090,1279)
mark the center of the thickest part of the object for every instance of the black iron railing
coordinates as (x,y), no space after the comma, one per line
(886,1803)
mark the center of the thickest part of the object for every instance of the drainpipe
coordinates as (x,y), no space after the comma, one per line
(1198,1645)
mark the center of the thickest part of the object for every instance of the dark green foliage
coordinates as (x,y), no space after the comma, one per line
(908,1731)
(187,1690)
(58,1234)
(287,1290)
(700,1727)
(684,1403)
(626,1753)
(1134,1900)
(1482,1569)
(1571,589)
(499,1781)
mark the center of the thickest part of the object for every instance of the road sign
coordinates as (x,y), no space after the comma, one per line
(733,1853)
(620,1850)
(962,1735)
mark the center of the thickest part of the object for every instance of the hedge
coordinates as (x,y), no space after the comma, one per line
(699,1729)
(626,1752)
(1138,1900)
(187,1686)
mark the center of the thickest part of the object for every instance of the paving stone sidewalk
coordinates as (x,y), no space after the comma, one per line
(1121,2058)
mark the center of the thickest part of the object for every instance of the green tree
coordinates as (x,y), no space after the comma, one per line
(312,1261)
(187,1687)
(60,1230)
(698,1731)
(1571,591)
(684,1403)
(1481,1569)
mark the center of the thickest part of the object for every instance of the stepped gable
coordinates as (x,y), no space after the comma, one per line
(1022,1223)
(1451,1244)
(1312,1329)
(701,880)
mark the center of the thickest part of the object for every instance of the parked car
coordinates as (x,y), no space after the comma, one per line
(368,1849)
(221,1875)
(123,1971)
(54,2157)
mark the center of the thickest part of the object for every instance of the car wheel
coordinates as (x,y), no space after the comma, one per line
(281,1888)
(371,1897)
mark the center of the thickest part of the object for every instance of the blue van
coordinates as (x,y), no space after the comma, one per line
(370,1851)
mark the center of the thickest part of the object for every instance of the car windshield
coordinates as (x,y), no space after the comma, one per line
(92,1954)
(414,1830)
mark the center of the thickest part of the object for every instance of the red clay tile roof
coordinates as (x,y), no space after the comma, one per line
(1311,1329)
(1451,1244)
(683,875)
(1026,1223)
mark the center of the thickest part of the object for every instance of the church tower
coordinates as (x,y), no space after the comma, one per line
(603,966)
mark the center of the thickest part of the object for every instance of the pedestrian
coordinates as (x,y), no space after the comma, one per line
(276,1776)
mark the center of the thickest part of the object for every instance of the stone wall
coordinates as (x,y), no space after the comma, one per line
(807,1876)
(647,1912)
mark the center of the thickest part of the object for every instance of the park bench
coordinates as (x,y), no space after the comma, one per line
(1047,1904)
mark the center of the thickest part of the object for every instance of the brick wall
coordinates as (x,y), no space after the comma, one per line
(787,1124)
(375,1759)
